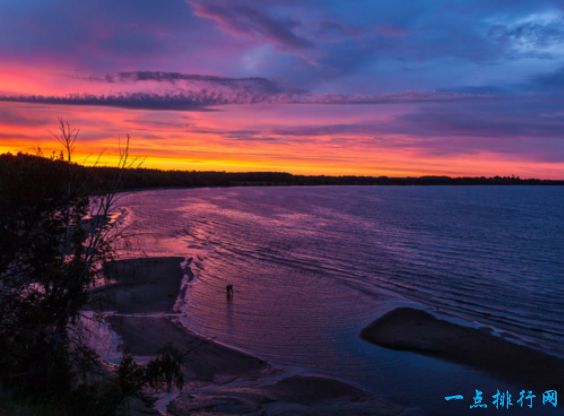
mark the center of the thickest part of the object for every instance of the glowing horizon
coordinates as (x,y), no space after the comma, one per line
(459,89)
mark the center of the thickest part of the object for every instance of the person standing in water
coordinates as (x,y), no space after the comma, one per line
(229,291)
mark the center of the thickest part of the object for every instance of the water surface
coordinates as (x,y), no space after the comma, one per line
(311,266)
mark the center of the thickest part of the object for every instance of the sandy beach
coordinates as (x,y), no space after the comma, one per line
(144,285)
(219,380)
(418,331)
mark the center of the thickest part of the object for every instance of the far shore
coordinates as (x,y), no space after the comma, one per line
(415,330)
(139,179)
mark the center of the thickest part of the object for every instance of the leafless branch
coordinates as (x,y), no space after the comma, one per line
(67,138)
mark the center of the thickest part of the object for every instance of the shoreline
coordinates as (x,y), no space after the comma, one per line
(219,379)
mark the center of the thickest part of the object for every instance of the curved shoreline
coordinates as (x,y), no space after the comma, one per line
(221,379)
(414,330)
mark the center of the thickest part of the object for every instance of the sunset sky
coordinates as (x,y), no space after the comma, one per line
(379,87)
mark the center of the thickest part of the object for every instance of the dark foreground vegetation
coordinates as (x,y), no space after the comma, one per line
(140,178)
(55,239)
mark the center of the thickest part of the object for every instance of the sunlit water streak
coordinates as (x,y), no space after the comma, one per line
(312,265)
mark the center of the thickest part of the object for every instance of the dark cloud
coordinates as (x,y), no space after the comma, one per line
(551,82)
(244,18)
(140,101)
(258,84)
(408,97)
(205,99)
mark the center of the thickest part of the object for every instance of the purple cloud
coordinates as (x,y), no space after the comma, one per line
(551,82)
(257,84)
(200,101)
(240,18)
(205,99)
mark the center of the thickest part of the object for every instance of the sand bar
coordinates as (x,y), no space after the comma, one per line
(419,331)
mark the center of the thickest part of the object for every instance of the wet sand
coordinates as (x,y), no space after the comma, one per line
(418,331)
(220,380)
(295,395)
(205,360)
(144,285)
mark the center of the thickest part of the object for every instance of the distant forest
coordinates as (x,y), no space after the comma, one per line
(141,178)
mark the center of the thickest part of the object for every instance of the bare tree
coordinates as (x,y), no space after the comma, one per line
(67,138)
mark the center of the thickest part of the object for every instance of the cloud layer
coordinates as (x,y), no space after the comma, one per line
(431,86)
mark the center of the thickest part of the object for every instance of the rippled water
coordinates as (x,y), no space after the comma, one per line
(312,265)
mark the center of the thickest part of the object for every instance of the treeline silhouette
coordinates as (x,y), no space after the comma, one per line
(142,178)
(55,241)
